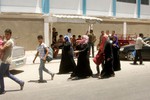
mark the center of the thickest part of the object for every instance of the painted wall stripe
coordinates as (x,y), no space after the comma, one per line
(45,6)
(138,8)
(84,7)
(114,7)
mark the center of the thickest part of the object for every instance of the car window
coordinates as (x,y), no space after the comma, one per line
(146,39)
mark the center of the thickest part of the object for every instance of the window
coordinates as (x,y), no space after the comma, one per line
(145,2)
(128,1)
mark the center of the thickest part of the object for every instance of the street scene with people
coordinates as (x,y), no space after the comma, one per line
(55,53)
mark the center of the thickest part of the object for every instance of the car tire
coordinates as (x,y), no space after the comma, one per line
(130,56)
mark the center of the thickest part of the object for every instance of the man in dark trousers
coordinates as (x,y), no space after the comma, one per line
(6,61)
(138,47)
(92,40)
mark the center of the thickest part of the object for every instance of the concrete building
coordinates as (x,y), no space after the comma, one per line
(25,17)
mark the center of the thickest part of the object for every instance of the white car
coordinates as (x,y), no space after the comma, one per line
(18,57)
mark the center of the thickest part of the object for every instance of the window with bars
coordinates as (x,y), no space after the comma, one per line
(145,2)
(127,1)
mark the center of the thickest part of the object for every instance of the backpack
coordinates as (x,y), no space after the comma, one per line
(50,54)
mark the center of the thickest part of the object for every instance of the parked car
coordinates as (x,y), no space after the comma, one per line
(126,42)
(126,52)
(18,57)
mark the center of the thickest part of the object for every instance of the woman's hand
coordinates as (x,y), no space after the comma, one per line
(114,45)
(108,59)
(76,51)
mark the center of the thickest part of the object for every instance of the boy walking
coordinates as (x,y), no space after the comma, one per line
(42,51)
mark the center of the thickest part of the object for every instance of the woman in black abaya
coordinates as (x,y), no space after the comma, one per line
(67,62)
(83,69)
(116,59)
(108,65)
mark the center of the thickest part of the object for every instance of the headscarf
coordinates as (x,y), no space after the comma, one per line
(67,39)
(102,45)
(116,41)
(84,40)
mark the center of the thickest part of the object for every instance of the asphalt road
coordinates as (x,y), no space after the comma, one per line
(131,83)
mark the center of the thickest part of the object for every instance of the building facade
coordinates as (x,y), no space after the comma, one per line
(114,8)
(25,17)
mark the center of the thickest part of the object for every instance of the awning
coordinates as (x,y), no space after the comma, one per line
(53,18)
(73,19)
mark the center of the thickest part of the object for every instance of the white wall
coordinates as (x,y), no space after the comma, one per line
(99,7)
(29,6)
(126,10)
(66,6)
(145,11)
(94,7)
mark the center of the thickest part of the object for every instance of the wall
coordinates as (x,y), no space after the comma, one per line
(138,28)
(24,31)
(128,10)
(66,6)
(145,11)
(99,7)
(27,6)
(93,7)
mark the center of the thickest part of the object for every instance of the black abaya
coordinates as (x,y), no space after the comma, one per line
(108,71)
(67,62)
(116,59)
(83,69)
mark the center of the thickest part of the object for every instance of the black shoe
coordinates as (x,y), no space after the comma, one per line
(52,76)
(112,75)
(22,86)
(2,92)
(42,81)
(70,78)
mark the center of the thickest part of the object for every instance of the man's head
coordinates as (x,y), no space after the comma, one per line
(74,36)
(69,30)
(141,35)
(91,31)
(79,36)
(107,32)
(61,37)
(102,32)
(8,34)
(40,38)
(113,33)
(54,29)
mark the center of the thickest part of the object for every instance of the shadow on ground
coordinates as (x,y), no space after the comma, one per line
(15,72)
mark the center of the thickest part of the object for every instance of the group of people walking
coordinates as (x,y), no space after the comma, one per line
(107,56)
(82,69)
